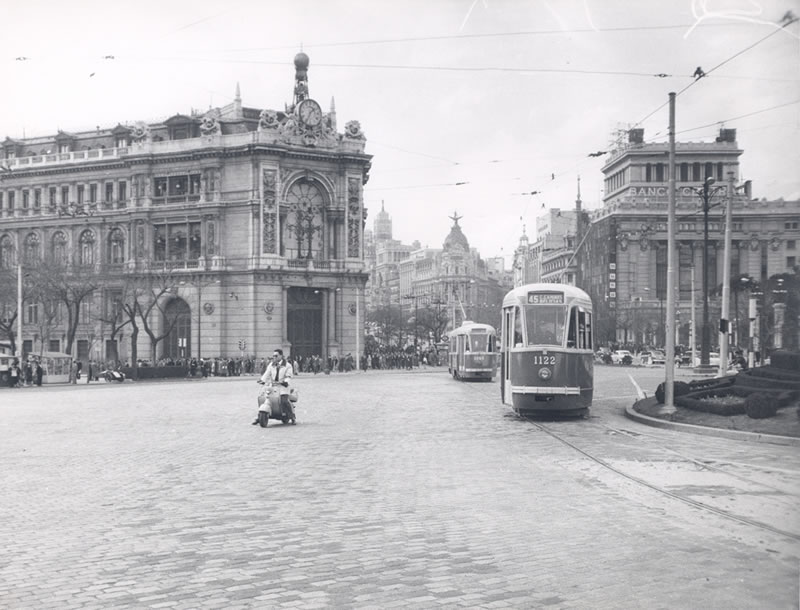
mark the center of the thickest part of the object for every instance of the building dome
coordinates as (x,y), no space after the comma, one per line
(456,239)
(301,61)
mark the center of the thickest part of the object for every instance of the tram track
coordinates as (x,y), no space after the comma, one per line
(653,444)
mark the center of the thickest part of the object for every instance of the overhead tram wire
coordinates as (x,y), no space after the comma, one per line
(643,28)
(719,65)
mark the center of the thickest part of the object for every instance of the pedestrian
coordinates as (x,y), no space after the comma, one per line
(89,372)
(13,375)
(28,373)
(39,373)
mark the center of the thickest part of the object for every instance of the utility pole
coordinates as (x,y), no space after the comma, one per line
(669,365)
(724,322)
(19,311)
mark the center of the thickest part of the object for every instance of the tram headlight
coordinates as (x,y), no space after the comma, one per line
(545,373)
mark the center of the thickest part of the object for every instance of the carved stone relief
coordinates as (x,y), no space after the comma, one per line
(270,211)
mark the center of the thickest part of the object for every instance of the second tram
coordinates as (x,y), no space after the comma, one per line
(546,355)
(473,352)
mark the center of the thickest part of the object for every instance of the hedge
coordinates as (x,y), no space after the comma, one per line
(784,359)
(695,401)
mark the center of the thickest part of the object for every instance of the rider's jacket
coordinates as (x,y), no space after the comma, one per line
(279,374)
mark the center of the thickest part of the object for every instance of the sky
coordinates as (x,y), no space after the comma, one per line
(468,106)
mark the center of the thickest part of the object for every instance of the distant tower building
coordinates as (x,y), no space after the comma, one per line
(383,225)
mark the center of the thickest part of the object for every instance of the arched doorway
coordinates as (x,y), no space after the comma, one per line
(304,321)
(178,343)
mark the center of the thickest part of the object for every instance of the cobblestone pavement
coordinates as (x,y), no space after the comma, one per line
(394,490)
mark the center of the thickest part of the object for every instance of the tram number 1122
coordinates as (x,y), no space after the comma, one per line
(543,360)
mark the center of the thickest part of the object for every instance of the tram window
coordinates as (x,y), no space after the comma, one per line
(586,329)
(545,324)
(573,328)
(517,327)
(466,344)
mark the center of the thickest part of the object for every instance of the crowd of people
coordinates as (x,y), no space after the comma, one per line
(26,374)
(30,372)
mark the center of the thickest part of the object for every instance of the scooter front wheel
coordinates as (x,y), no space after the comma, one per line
(263,419)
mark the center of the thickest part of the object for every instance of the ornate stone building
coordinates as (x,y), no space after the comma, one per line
(551,257)
(254,218)
(383,257)
(453,277)
(624,262)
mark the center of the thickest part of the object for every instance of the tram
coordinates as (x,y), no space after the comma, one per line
(546,356)
(473,352)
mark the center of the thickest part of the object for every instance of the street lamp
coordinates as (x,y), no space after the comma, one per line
(706,193)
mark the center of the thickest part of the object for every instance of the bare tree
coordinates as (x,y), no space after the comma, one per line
(388,322)
(8,306)
(153,290)
(68,284)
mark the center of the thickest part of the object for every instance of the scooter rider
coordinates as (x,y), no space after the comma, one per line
(279,371)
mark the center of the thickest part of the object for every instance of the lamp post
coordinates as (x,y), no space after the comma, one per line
(438,302)
(706,193)
(19,312)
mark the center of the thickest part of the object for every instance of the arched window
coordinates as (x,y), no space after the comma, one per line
(87,247)
(116,246)
(6,252)
(304,222)
(31,249)
(58,248)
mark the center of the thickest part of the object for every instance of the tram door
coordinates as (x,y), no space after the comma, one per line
(506,338)
(304,321)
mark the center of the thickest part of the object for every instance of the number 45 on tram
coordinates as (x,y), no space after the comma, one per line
(546,359)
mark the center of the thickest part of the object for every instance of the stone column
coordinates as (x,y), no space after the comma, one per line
(284,314)
(325,306)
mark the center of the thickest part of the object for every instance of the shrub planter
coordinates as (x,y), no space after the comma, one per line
(697,401)
(760,406)
(679,388)
(784,359)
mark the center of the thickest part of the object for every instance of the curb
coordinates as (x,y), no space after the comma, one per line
(754,437)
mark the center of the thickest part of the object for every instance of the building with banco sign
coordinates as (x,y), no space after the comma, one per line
(248,222)
(623,263)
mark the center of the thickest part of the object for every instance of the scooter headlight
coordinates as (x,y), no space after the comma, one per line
(545,373)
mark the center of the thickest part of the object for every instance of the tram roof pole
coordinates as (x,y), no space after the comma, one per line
(669,365)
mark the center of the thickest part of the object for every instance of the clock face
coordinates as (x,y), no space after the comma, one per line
(310,112)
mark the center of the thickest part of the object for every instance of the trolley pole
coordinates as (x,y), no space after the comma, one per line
(669,365)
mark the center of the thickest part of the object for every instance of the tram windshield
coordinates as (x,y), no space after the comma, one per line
(479,343)
(545,324)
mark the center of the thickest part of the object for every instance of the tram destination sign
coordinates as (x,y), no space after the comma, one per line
(545,298)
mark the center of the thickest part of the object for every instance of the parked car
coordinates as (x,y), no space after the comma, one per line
(618,356)
(713,358)
(658,357)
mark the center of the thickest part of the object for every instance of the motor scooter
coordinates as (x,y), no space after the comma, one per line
(269,404)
